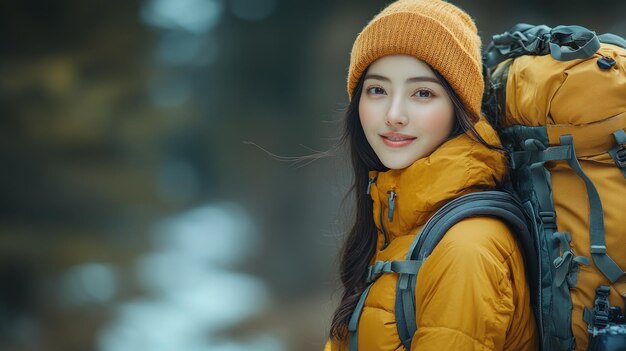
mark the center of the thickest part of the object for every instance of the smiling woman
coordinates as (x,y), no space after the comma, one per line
(418,141)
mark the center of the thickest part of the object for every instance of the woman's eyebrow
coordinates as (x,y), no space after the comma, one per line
(409,80)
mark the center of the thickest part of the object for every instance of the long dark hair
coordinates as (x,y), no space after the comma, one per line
(360,242)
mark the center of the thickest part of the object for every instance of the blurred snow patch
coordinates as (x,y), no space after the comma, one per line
(197,16)
(194,294)
(88,283)
(221,235)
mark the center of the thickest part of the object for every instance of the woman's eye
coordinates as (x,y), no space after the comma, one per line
(423,93)
(376,90)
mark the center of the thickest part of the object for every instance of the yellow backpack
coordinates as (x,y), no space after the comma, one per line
(558,99)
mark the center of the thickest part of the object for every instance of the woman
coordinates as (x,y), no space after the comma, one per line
(418,140)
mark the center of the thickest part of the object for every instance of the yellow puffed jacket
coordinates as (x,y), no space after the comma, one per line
(471,293)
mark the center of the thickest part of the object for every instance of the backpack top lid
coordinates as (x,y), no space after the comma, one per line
(573,85)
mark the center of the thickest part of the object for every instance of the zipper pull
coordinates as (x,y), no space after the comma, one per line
(392,198)
(369,184)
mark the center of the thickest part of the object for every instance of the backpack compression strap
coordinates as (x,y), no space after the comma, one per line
(618,152)
(564,43)
(487,203)
(530,149)
(536,153)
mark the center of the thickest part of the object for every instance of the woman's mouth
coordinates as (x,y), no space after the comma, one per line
(397,140)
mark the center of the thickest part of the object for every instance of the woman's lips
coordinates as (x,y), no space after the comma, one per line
(397,140)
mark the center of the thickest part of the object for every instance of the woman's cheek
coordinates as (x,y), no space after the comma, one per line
(368,113)
(438,120)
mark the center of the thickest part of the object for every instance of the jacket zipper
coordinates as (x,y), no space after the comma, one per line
(391,205)
(391,201)
(369,184)
(382,229)
(390,211)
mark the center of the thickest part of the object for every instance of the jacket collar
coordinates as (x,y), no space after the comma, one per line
(403,200)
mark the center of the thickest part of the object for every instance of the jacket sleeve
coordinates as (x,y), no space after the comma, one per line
(464,293)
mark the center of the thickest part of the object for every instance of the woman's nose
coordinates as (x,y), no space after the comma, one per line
(396,115)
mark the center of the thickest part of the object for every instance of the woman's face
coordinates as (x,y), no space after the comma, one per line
(404,110)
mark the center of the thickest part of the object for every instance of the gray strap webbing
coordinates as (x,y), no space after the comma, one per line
(521,39)
(443,225)
(487,203)
(405,301)
(541,180)
(354,320)
(406,268)
(565,263)
(380,267)
(618,152)
(565,43)
(554,153)
(533,140)
(613,39)
(605,264)
(558,338)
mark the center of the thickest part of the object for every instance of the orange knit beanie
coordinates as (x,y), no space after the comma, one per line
(434,31)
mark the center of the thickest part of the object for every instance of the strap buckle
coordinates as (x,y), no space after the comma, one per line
(601,306)
(548,218)
(374,271)
(618,151)
(598,249)
(620,156)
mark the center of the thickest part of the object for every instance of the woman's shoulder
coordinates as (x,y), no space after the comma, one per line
(479,238)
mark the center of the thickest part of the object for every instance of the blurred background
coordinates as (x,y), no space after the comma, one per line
(137,208)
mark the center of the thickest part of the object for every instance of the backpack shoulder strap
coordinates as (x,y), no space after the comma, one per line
(496,204)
